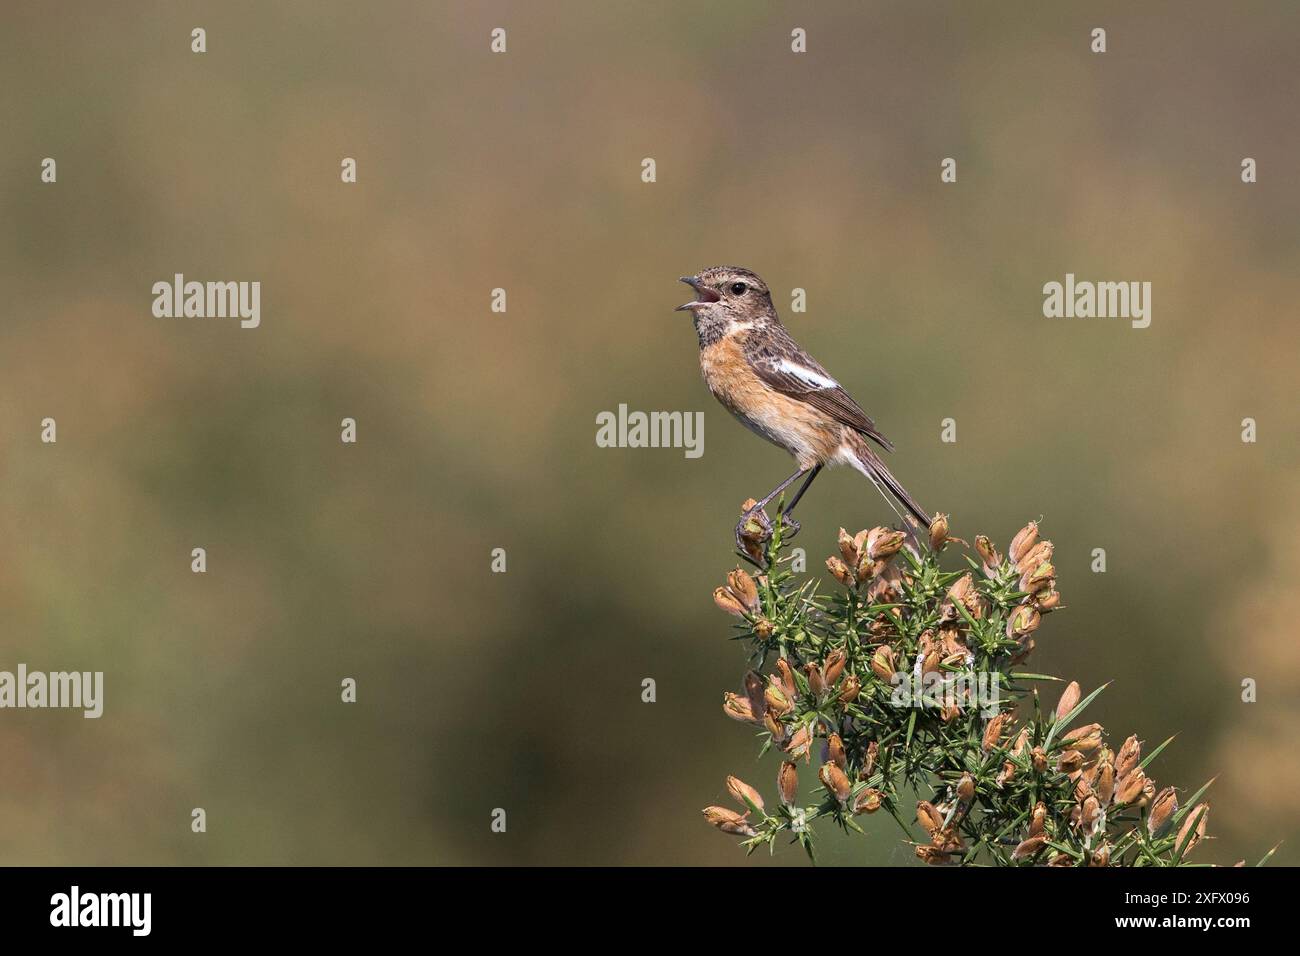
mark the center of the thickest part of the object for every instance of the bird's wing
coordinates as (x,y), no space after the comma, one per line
(782,365)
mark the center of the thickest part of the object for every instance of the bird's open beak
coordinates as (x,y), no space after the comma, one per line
(703,295)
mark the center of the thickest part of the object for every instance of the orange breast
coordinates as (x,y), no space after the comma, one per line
(800,429)
(729,377)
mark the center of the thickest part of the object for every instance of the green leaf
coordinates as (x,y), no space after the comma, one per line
(1155,753)
(970,621)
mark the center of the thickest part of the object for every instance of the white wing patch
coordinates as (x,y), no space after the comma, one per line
(806,375)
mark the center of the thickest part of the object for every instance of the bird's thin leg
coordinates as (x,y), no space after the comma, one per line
(785,515)
(802,488)
(778,489)
(763,504)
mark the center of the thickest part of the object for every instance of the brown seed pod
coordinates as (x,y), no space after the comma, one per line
(1069,700)
(1192,831)
(867,800)
(729,821)
(736,707)
(1028,847)
(835,781)
(850,689)
(993,732)
(1023,542)
(743,793)
(833,666)
(787,782)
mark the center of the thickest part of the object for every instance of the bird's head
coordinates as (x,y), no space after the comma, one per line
(727,297)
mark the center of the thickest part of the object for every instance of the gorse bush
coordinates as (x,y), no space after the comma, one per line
(908,681)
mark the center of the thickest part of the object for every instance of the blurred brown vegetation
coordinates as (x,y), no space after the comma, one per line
(476,430)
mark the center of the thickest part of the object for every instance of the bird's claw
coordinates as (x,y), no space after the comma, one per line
(753,528)
(790,526)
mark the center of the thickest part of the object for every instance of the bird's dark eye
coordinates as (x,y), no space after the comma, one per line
(738,288)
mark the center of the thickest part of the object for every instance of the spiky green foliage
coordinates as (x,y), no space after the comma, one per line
(906,679)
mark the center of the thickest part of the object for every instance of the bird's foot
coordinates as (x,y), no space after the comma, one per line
(752,531)
(790,526)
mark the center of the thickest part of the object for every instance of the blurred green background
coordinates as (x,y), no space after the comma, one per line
(477,430)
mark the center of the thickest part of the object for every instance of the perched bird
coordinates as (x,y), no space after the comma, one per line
(761,375)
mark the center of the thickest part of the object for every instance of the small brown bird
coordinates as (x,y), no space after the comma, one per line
(761,375)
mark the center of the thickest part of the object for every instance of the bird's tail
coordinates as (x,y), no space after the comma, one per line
(870,464)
